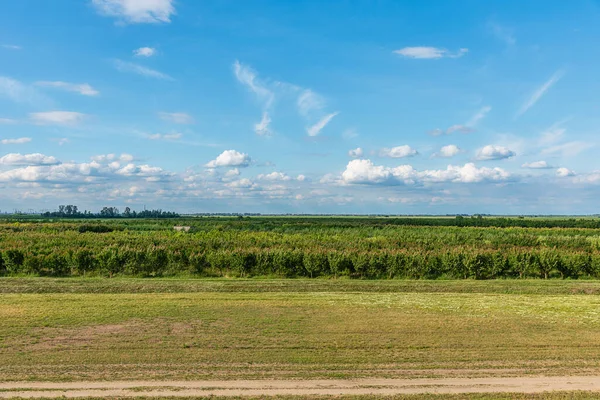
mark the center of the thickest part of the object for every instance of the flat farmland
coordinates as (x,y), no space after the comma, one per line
(240,330)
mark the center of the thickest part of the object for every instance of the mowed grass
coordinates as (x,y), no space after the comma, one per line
(178,329)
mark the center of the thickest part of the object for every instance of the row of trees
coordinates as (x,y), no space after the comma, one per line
(72,211)
(159,261)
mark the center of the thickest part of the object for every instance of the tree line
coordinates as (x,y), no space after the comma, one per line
(72,211)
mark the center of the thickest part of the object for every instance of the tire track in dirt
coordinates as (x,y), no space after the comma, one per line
(524,384)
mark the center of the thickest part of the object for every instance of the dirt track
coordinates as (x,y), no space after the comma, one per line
(298,387)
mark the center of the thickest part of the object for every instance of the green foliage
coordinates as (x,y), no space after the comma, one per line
(363,248)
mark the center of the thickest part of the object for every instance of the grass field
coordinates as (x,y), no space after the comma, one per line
(244,329)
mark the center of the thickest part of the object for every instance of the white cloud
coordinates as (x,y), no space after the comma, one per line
(247,76)
(467,127)
(81,88)
(315,129)
(424,52)
(502,33)
(536,165)
(165,136)
(301,178)
(137,11)
(16,141)
(274,176)
(356,153)
(176,117)
(57,117)
(448,151)
(350,134)
(61,141)
(10,46)
(539,92)
(564,172)
(551,136)
(125,66)
(7,121)
(493,152)
(232,172)
(569,149)
(144,52)
(262,128)
(398,152)
(230,158)
(27,159)
(309,101)
(365,172)
(109,158)
(241,183)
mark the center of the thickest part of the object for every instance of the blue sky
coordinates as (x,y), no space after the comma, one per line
(303,106)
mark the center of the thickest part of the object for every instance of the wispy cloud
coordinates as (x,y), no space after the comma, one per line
(248,77)
(262,128)
(478,116)
(502,33)
(426,52)
(166,136)
(315,129)
(21,140)
(81,88)
(7,121)
(137,11)
(540,92)
(10,46)
(569,149)
(309,101)
(57,118)
(19,92)
(176,117)
(125,66)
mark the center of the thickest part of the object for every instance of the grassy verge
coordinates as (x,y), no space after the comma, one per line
(172,285)
(186,329)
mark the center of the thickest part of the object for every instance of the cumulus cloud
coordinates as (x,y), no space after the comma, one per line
(448,151)
(365,172)
(21,140)
(230,158)
(564,172)
(232,172)
(493,152)
(144,52)
(425,52)
(262,128)
(540,92)
(108,158)
(315,129)
(301,178)
(137,11)
(274,176)
(27,159)
(536,165)
(125,66)
(398,152)
(82,88)
(57,117)
(356,153)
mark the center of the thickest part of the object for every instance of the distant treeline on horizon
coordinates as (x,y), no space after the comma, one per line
(72,211)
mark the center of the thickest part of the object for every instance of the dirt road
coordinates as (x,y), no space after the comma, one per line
(529,384)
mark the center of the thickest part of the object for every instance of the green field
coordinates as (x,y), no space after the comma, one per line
(85,329)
